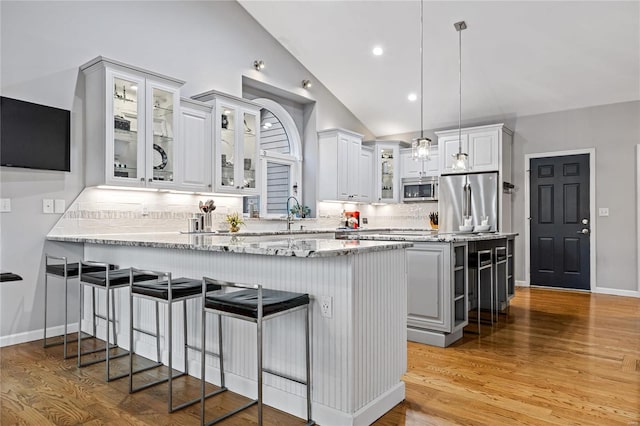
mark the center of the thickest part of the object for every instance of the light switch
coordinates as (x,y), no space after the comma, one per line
(603,211)
(5,205)
(47,205)
(58,206)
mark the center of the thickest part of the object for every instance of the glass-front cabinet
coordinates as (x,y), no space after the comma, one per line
(387,170)
(132,119)
(236,143)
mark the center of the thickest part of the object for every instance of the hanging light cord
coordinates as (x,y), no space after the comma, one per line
(421,69)
(460,91)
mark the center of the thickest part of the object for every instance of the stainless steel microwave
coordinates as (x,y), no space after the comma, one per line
(420,189)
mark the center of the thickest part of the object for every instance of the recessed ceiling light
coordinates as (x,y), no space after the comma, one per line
(412,97)
(377,51)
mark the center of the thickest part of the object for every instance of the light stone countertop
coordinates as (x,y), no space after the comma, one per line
(432,237)
(260,244)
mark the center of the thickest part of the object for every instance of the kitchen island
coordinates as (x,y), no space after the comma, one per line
(358,346)
(444,282)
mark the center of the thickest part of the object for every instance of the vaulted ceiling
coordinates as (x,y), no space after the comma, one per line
(518,58)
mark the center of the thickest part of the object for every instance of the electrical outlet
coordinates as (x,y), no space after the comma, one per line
(326,306)
(365,221)
(47,205)
(5,205)
(603,211)
(58,206)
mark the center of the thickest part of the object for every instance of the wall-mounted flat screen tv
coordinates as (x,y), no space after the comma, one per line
(34,136)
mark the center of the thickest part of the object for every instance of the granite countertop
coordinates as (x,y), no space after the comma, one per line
(274,245)
(432,237)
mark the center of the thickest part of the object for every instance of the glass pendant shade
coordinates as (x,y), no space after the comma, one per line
(420,149)
(460,161)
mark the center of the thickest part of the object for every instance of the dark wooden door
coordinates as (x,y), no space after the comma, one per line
(560,222)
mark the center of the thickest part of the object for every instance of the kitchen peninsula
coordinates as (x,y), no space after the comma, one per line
(449,275)
(358,347)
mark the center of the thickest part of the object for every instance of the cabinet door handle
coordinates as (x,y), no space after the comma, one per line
(150,180)
(141,179)
(209,186)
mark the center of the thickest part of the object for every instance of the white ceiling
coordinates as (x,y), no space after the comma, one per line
(518,58)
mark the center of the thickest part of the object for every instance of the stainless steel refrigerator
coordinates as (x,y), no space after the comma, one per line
(472,195)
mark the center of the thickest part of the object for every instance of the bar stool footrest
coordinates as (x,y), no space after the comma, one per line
(231,413)
(95,361)
(155,382)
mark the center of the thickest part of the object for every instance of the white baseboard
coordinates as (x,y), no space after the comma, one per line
(296,405)
(522,284)
(30,336)
(617,292)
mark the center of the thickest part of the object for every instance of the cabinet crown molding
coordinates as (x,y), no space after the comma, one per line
(466,129)
(100,61)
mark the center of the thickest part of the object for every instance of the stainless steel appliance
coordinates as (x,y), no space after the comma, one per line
(420,189)
(473,195)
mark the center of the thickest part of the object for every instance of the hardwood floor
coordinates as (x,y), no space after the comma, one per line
(559,358)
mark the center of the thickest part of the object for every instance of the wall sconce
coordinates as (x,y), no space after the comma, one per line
(306,84)
(258,65)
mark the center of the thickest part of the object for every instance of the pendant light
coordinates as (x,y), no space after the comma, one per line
(460,159)
(421,147)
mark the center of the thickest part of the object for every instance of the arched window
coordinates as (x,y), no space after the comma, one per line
(281,157)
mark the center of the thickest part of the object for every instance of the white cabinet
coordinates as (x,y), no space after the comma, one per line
(410,168)
(365,192)
(490,150)
(437,288)
(195,157)
(387,165)
(489,147)
(236,143)
(132,125)
(339,153)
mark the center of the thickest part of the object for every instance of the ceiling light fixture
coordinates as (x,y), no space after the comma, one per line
(460,159)
(377,51)
(412,97)
(421,147)
(258,65)
(306,84)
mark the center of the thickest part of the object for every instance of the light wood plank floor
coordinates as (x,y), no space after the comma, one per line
(559,358)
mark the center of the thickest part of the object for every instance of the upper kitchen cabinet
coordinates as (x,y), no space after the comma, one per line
(411,168)
(386,170)
(365,193)
(236,143)
(339,158)
(132,125)
(489,149)
(196,131)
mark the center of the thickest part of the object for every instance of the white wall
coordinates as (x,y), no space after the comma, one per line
(209,44)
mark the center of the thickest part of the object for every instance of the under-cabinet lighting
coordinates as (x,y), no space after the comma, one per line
(127,188)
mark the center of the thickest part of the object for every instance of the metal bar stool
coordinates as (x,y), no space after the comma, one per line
(254,304)
(167,290)
(66,271)
(501,261)
(107,279)
(483,260)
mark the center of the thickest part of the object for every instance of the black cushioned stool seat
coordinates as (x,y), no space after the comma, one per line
(255,304)
(117,277)
(245,302)
(9,276)
(167,290)
(72,269)
(180,287)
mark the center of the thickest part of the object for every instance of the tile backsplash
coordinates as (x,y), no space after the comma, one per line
(109,211)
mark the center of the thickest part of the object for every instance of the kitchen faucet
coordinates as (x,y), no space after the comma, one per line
(289,214)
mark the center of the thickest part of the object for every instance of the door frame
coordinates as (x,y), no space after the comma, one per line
(592,210)
(638,215)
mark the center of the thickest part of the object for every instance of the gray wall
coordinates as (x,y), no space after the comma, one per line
(210,45)
(613,130)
